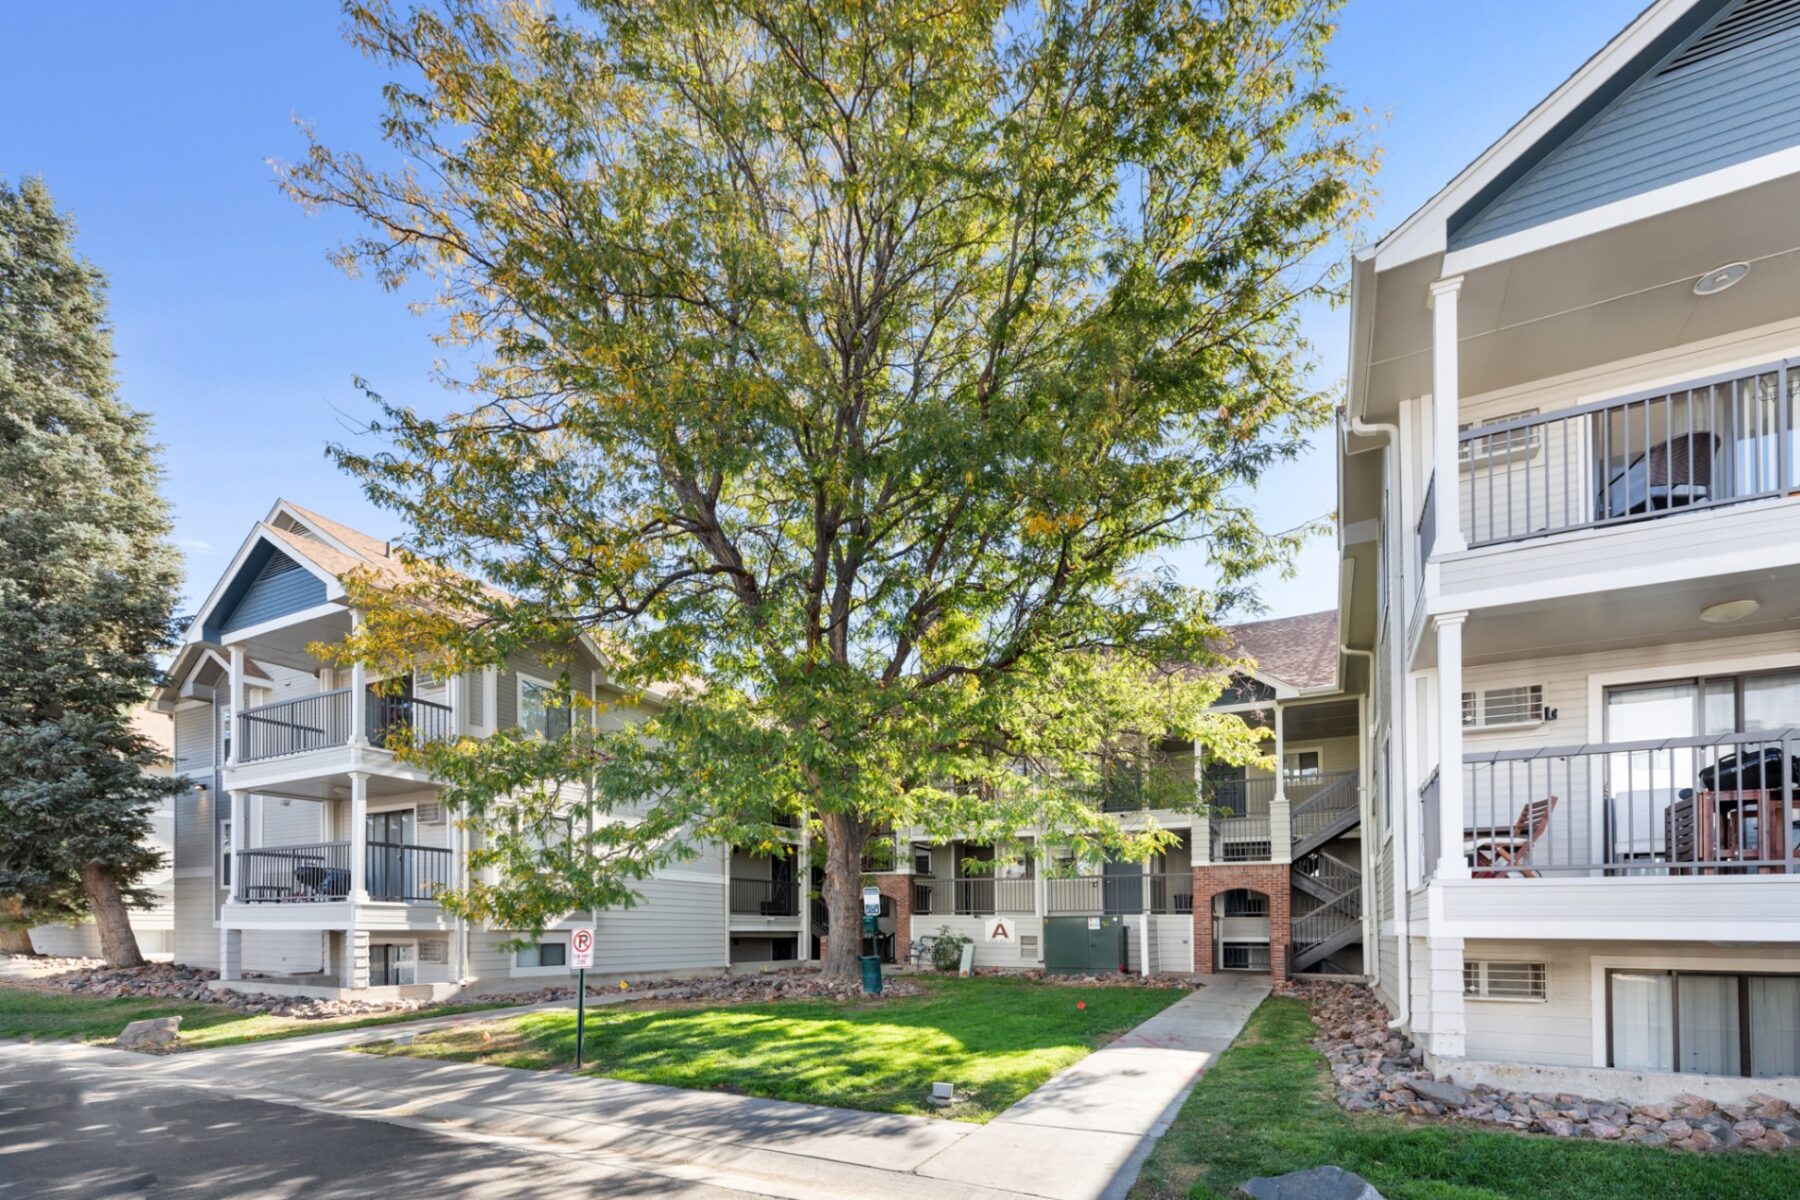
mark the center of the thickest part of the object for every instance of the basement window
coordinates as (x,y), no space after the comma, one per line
(1484,980)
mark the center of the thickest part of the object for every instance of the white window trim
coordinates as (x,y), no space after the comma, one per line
(1543,965)
(396,940)
(1480,728)
(522,678)
(519,972)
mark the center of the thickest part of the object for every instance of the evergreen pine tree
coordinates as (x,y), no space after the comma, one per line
(88,582)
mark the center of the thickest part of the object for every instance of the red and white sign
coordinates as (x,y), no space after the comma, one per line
(581,949)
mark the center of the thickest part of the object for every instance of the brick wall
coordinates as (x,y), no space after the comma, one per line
(899,889)
(1271,879)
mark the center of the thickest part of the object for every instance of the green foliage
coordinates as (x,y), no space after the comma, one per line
(88,578)
(995,1039)
(946,952)
(1266,1109)
(861,362)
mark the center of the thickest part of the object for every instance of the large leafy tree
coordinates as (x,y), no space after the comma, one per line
(861,361)
(88,582)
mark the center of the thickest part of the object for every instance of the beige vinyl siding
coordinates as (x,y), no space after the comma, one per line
(539,666)
(1335,755)
(300,952)
(290,822)
(196,938)
(678,925)
(1174,935)
(991,954)
(1560,1030)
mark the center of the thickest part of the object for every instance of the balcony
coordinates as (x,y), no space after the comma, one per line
(765,897)
(320,872)
(325,720)
(1093,895)
(1683,808)
(1709,443)
(976,896)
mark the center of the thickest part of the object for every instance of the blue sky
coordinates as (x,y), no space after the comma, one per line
(154,124)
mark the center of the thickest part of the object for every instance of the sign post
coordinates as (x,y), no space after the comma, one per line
(871,962)
(581,957)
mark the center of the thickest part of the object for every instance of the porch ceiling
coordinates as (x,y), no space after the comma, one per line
(1611,296)
(1625,618)
(287,644)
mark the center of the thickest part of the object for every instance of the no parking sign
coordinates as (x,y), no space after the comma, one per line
(581,949)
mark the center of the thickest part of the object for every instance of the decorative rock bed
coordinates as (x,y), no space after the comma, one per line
(168,981)
(1106,979)
(1376,1070)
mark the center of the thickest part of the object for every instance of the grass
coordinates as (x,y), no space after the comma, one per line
(37,1015)
(1265,1109)
(995,1039)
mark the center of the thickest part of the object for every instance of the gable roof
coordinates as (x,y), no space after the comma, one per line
(1301,652)
(1658,35)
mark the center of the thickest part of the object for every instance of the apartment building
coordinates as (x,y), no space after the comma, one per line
(1570,534)
(308,854)
(1265,874)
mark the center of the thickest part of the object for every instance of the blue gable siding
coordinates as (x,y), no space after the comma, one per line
(267,586)
(1721,89)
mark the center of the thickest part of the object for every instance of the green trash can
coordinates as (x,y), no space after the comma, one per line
(871,966)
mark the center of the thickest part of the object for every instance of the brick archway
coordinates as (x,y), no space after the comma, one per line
(1268,879)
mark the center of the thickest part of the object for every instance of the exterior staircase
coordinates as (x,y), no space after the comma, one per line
(1336,922)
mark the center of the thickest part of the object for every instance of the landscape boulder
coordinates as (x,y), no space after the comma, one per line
(1320,1183)
(149,1034)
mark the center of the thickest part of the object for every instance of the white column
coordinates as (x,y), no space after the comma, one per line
(240,841)
(236,692)
(359,839)
(359,698)
(1281,839)
(1450,864)
(1444,410)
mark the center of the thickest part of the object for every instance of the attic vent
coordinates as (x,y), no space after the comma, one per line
(1500,708)
(435,951)
(281,564)
(296,527)
(431,813)
(1750,21)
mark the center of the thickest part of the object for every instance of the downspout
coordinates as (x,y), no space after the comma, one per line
(1390,437)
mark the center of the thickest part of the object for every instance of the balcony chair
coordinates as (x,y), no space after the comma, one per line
(1505,854)
(1671,474)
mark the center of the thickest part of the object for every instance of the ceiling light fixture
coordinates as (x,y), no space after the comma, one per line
(1720,278)
(1725,612)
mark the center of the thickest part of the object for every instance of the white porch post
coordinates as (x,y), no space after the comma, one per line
(1281,842)
(240,840)
(1200,832)
(1444,409)
(359,697)
(236,692)
(1450,864)
(359,839)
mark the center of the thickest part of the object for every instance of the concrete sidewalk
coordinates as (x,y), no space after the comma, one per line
(1079,1137)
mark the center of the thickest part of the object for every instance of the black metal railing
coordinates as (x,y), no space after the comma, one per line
(296,726)
(402,871)
(311,873)
(324,719)
(1715,441)
(1240,797)
(1708,805)
(765,897)
(974,896)
(320,871)
(1082,895)
(1318,802)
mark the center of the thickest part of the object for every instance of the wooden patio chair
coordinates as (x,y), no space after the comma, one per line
(1510,853)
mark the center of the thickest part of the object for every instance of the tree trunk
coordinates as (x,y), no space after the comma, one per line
(845,837)
(15,933)
(118,944)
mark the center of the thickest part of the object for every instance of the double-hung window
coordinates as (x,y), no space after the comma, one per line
(541,711)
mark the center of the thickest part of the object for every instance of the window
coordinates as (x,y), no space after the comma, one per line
(393,964)
(1505,981)
(1515,443)
(538,711)
(1502,708)
(543,954)
(1300,764)
(1703,1023)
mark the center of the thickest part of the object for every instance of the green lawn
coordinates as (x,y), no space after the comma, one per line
(42,1015)
(995,1039)
(1265,1109)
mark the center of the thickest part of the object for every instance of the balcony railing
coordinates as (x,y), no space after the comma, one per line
(1085,895)
(1712,805)
(1240,797)
(979,896)
(1715,441)
(320,871)
(765,897)
(323,720)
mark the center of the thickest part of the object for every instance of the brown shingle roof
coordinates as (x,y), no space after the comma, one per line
(1301,651)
